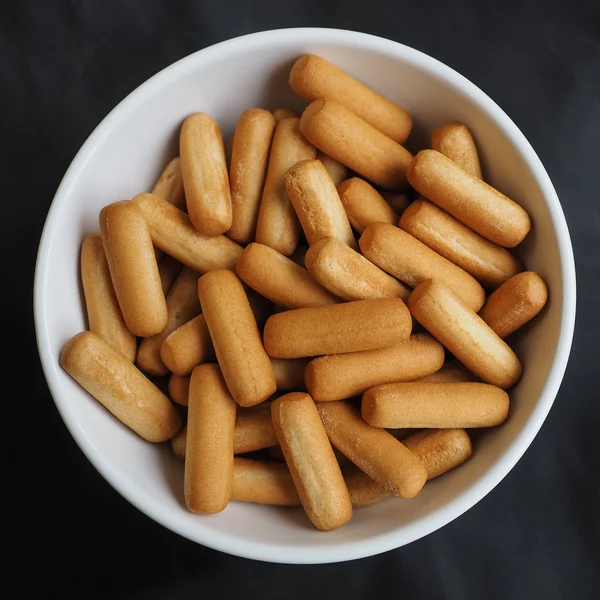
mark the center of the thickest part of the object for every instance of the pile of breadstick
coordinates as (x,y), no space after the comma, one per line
(317,369)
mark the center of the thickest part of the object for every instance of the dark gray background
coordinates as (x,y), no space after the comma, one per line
(63,66)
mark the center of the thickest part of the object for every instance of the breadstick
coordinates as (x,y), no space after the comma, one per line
(280,279)
(187,347)
(254,430)
(209,446)
(104,315)
(514,303)
(317,203)
(311,461)
(182,305)
(204,172)
(375,451)
(278,225)
(249,159)
(263,483)
(178,442)
(285,113)
(455,141)
(313,77)
(465,334)
(336,170)
(298,254)
(348,274)
(344,136)
(179,388)
(396,200)
(262,308)
(452,371)
(435,405)
(169,186)
(168,269)
(342,376)
(172,231)
(412,262)
(245,365)
(364,204)
(289,374)
(133,268)
(489,263)
(347,327)
(116,383)
(468,198)
(440,451)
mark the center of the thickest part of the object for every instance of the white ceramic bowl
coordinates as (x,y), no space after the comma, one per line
(125,154)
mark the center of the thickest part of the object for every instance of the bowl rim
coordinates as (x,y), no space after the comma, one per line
(424,526)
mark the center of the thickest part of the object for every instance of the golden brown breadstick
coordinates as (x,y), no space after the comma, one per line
(347,327)
(317,203)
(289,374)
(342,376)
(133,269)
(348,274)
(249,159)
(465,334)
(313,77)
(178,442)
(263,483)
(311,461)
(375,451)
(396,200)
(452,371)
(344,136)
(209,445)
(179,388)
(336,170)
(172,231)
(236,340)
(204,172)
(169,186)
(280,279)
(262,308)
(254,430)
(435,405)
(115,382)
(514,303)
(187,346)
(285,113)
(182,305)
(455,141)
(168,269)
(409,260)
(278,225)
(472,201)
(489,263)
(364,204)
(104,315)
(440,450)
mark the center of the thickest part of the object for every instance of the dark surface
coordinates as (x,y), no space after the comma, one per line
(63,66)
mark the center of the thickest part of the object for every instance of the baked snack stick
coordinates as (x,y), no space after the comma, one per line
(455,141)
(336,170)
(169,186)
(179,388)
(452,371)
(168,269)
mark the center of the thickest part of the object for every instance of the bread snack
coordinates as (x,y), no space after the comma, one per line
(398,201)
(120,387)
(343,135)
(133,269)
(285,113)
(204,172)
(245,365)
(178,442)
(289,374)
(412,262)
(313,77)
(209,445)
(169,186)
(455,141)
(348,274)
(341,376)
(280,279)
(254,429)
(514,303)
(278,225)
(168,270)
(311,461)
(348,327)
(468,198)
(336,170)
(173,232)
(452,371)
(103,312)
(465,334)
(248,171)
(179,388)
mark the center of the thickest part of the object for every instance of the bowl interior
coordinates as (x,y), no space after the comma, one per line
(124,157)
